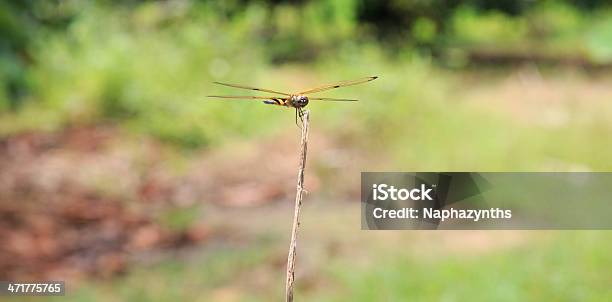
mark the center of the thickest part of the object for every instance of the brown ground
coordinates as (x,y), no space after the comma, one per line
(56,217)
(86,201)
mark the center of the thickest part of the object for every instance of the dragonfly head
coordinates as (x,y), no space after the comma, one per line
(300,100)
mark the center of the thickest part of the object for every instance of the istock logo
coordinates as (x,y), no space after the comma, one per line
(384,192)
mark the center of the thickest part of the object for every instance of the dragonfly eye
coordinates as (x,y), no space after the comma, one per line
(303,100)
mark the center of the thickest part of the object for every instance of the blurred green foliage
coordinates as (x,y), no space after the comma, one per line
(147,65)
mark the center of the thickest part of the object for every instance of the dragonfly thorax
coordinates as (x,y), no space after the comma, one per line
(299,101)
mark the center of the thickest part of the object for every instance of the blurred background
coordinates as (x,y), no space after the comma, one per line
(120,177)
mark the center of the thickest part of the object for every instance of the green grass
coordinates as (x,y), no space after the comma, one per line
(571,267)
(559,266)
(187,278)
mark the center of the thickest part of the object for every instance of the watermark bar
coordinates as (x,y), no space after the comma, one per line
(486,201)
(20,288)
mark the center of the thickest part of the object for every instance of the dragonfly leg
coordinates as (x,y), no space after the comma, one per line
(299,114)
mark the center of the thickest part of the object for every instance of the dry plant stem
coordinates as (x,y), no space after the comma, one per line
(296,214)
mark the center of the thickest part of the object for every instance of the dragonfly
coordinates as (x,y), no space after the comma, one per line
(294,100)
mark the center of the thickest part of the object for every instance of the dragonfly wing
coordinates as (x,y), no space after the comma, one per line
(339,84)
(251,88)
(332,99)
(245,97)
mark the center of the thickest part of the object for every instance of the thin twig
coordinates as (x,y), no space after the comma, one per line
(296,214)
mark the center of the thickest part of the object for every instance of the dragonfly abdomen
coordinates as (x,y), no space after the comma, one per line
(276,101)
